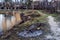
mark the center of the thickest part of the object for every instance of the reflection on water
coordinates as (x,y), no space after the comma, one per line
(31,32)
(34,33)
(1,19)
(55,29)
(5,22)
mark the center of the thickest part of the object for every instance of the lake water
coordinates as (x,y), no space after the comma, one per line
(9,20)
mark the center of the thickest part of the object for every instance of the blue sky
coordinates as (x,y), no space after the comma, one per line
(1,0)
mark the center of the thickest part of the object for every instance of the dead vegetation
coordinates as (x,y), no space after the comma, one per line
(28,18)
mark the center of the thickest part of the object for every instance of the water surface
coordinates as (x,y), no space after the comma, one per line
(55,29)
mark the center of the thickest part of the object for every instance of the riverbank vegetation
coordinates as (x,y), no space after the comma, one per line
(35,17)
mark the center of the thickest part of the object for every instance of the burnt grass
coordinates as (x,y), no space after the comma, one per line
(29,19)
